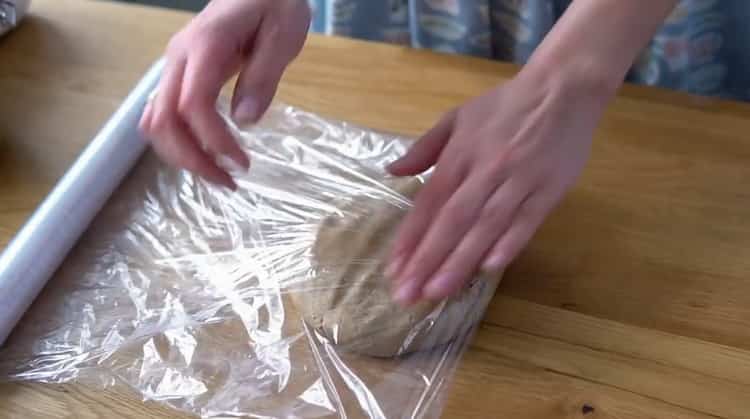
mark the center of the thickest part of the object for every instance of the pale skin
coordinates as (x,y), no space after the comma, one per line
(502,161)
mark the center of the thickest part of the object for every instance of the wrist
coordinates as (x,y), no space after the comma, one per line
(582,75)
(591,48)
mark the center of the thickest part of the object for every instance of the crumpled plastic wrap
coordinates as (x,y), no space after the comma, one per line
(180,289)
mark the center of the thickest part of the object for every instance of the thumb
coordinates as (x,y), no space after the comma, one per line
(426,151)
(277,43)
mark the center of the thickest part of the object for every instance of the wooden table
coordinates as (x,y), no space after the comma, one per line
(633,300)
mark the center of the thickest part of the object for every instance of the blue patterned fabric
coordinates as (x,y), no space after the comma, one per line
(703,48)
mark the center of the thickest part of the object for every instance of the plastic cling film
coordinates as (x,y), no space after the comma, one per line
(209,300)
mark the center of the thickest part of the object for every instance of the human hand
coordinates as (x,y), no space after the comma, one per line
(258,39)
(502,163)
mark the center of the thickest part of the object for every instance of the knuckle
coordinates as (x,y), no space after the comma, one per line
(177,43)
(294,13)
(460,260)
(496,169)
(493,213)
(421,262)
(222,145)
(204,36)
(161,123)
(452,113)
(305,13)
(203,24)
(273,30)
(463,166)
(164,154)
(170,151)
(402,244)
(146,129)
(229,146)
(516,241)
(515,156)
(460,114)
(426,198)
(144,124)
(190,104)
(530,208)
(448,173)
(190,161)
(211,38)
(458,215)
(212,32)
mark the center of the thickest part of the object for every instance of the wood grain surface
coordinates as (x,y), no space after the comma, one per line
(633,300)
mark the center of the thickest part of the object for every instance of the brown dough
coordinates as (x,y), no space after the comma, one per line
(347,299)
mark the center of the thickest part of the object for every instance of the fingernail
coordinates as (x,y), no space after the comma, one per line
(393,268)
(225,181)
(439,286)
(404,294)
(231,164)
(247,110)
(494,263)
(145,122)
(241,162)
(231,186)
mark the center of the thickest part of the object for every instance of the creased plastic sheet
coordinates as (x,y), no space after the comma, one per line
(180,289)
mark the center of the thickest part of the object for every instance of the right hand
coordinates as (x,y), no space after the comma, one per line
(258,39)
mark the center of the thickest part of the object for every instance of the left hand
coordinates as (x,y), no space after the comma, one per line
(253,39)
(502,163)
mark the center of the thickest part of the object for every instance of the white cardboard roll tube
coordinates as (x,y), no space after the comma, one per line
(44,241)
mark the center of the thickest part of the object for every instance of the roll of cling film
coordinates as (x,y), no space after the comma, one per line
(265,302)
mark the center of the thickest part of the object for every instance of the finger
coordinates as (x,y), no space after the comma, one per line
(527,220)
(144,125)
(145,122)
(181,150)
(254,98)
(164,104)
(274,48)
(171,139)
(207,69)
(426,151)
(428,202)
(455,218)
(464,262)
(163,123)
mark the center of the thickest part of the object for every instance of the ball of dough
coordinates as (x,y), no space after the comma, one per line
(347,298)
